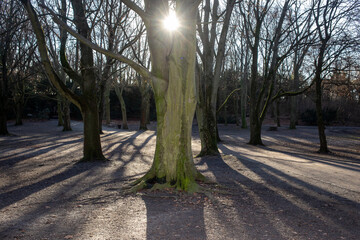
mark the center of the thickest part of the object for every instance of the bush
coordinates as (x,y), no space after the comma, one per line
(309,116)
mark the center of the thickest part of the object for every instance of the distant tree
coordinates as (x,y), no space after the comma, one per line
(331,19)
(17,61)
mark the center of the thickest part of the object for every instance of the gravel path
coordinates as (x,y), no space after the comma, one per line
(284,190)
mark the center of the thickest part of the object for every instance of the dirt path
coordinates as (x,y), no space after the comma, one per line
(282,191)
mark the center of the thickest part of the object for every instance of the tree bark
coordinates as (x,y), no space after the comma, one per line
(92,145)
(318,101)
(145,95)
(236,109)
(59,111)
(107,106)
(119,92)
(175,104)
(18,113)
(65,109)
(3,119)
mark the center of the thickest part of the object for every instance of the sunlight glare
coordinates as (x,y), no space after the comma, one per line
(171,22)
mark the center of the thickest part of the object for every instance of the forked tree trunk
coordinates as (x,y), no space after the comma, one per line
(175,104)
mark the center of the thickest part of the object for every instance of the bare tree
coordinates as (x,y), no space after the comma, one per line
(173,80)
(86,102)
(331,24)
(210,71)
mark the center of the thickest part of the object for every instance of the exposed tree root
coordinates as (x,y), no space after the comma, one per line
(150,182)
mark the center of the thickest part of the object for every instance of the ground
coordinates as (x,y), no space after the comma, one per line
(284,190)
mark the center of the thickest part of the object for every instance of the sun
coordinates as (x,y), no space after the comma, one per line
(171,22)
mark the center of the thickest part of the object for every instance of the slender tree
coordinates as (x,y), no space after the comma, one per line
(330,19)
(211,66)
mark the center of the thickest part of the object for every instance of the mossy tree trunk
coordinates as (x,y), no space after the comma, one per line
(175,97)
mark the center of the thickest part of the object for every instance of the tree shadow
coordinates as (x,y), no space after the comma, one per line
(84,201)
(285,206)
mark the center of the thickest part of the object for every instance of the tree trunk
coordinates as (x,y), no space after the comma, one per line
(59,110)
(175,100)
(119,92)
(278,122)
(243,109)
(66,115)
(92,145)
(101,107)
(255,122)
(18,112)
(144,107)
(123,113)
(294,99)
(3,118)
(207,129)
(236,109)
(318,101)
(293,112)
(107,106)
(320,121)
(255,131)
